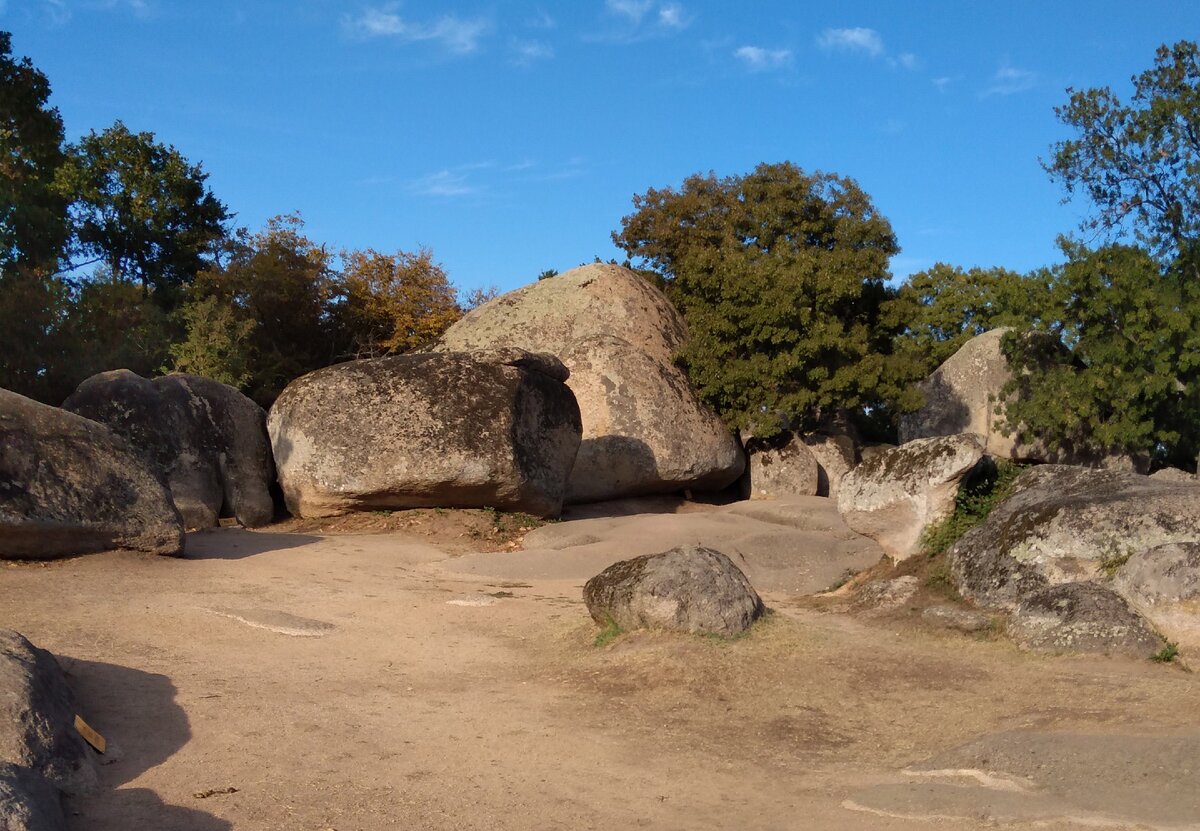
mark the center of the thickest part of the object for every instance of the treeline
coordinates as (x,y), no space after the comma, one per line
(782,276)
(115,253)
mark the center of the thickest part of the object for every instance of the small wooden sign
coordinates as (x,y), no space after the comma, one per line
(89,735)
(228,522)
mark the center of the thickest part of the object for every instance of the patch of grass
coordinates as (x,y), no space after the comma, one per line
(1111,563)
(976,498)
(939,580)
(607,634)
(1166,655)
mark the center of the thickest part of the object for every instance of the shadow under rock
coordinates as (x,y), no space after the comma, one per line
(143,726)
(238,543)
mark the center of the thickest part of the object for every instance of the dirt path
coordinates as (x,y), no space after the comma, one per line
(354,682)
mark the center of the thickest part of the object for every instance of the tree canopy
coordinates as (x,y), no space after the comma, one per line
(141,209)
(33,222)
(780,274)
(1139,162)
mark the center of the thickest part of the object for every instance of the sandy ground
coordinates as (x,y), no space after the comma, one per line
(356,681)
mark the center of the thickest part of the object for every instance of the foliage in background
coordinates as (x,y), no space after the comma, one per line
(394,302)
(141,210)
(938,310)
(1139,162)
(1122,373)
(780,275)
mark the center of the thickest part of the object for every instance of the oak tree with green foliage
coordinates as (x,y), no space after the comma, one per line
(141,210)
(780,275)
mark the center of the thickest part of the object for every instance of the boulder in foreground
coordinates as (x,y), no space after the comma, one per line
(69,485)
(892,497)
(488,429)
(204,438)
(689,589)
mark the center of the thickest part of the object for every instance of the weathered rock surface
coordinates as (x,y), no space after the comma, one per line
(1167,573)
(205,439)
(28,802)
(961,396)
(1082,617)
(689,589)
(957,618)
(796,545)
(455,430)
(69,485)
(643,430)
(893,496)
(785,468)
(1069,524)
(836,455)
(37,717)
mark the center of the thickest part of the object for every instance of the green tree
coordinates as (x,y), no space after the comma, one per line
(142,210)
(33,213)
(285,285)
(780,275)
(394,302)
(215,342)
(1139,162)
(938,310)
(1121,373)
(115,325)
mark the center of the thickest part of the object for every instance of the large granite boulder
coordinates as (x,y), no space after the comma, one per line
(1135,535)
(69,485)
(205,439)
(28,802)
(38,738)
(497,429)
(643,430)
(687,589)
(785,467)
(893,496)
(963,395)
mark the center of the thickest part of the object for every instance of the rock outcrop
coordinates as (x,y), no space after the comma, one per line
(41,753)
(893,496)
(687,589)
(205,439)
(783,468)
(963,395)
(1082,617)
(490,429)
(69,485)
(1136,536)
(643,430)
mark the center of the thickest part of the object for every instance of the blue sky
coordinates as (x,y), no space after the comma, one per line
(510,137)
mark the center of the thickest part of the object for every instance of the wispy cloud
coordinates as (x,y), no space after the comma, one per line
(758,59)
(867,42)
(943,82)
(637,20)
(528,52)
(541,19)
(857,39)
(633,10)
(457,35)
(444,183)
(1009,80)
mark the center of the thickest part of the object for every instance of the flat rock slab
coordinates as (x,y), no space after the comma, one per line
(274,620)
(797,545)
(1142,781)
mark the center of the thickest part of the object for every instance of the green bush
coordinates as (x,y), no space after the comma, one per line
(979,494)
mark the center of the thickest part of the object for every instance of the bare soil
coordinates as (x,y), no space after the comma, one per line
(313,676)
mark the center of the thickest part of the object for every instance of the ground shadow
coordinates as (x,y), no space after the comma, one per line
(143,726)
(238,543)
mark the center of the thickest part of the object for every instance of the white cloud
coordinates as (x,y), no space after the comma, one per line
(943,82)
(455,34)
(541,19)
(905,60)
(526,52)
(635,10)
(852,40)
(444,183)
(759,59)
(1010,80)
(671,16)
